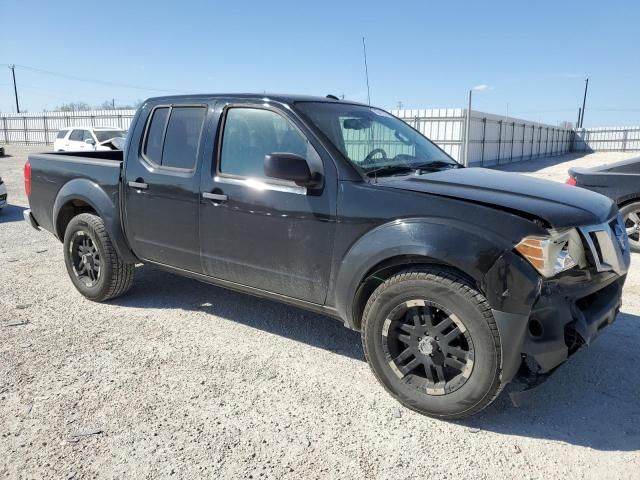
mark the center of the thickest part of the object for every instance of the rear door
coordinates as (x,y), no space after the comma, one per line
(74,142)
(161,186)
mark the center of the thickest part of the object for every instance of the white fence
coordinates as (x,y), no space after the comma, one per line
(494,139)
(42,127)
(607,139)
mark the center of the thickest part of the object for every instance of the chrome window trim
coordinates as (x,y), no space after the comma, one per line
(259,184)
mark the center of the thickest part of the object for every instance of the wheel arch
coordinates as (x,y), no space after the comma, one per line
(404,244)
(84,196)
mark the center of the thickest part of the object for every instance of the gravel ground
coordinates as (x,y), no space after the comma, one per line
(187,380)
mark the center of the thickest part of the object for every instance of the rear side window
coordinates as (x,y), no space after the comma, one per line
(76,135)
(155,135)
(174,143)
(62,133)
(183,137)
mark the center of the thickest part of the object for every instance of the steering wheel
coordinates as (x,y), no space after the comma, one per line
(372,153)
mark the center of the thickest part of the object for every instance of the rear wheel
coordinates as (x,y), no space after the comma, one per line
(431,340)
(93,264)
(631,215)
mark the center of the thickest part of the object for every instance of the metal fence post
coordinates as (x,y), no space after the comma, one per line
(513,134)
(499,139)
(467,131)
(26,138)
(6,130)
(484,137)
(46,129)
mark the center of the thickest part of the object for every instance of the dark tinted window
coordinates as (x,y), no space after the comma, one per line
(155,135)
(250,134)
(183,137)
(76,135)
(62,133)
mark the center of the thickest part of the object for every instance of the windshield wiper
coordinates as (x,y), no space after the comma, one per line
(435,164)
(390,170)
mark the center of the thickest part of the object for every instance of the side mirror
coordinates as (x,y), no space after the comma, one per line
(288,166)
(90,141)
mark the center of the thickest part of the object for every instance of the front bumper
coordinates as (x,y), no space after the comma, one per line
(570,312)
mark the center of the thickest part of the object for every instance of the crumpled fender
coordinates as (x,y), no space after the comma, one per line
(92,194)
(467,247)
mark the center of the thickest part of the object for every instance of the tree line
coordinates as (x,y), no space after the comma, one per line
(106,105)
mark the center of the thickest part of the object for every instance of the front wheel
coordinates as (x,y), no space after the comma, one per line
(94,266)
(432,341)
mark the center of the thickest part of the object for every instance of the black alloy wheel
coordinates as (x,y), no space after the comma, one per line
(428,345)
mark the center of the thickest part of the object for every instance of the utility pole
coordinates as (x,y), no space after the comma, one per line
(15,89)
(584,101)
(579,116)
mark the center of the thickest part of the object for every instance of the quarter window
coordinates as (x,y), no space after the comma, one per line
(155,135)
(250,134)
(62,133)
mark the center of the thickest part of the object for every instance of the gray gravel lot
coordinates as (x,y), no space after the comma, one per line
(185,379)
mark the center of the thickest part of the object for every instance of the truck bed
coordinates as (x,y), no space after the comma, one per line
(52,171)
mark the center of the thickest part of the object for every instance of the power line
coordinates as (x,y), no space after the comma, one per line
(94,80)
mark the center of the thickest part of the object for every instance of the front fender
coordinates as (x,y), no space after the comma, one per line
(461,245)
(92,194)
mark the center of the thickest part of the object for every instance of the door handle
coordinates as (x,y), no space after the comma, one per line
(218,197)
(138,185)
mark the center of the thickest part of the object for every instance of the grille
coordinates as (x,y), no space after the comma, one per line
(608,245)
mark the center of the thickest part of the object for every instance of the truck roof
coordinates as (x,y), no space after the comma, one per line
(278,97)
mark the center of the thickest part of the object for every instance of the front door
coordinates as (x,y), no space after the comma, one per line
(162,187)
(260,232)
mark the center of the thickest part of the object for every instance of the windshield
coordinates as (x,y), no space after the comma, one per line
(104,135)
(374,140)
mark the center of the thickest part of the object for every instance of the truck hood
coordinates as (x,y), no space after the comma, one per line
(558,204)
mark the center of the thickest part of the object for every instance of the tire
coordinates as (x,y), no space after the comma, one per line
(631,216)
(462,342)
(102,275)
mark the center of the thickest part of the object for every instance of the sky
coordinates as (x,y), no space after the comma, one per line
(527,59)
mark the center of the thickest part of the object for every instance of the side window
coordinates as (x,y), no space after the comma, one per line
(86,135)
(250,134)
(155,135)
(183,137)
(62,133)
(76,135)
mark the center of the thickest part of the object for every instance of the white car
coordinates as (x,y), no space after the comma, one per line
(78,139)
(3,194)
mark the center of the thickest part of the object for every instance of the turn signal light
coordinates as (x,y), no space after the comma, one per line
(571,181)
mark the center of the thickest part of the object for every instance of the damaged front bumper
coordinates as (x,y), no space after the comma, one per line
(569,313)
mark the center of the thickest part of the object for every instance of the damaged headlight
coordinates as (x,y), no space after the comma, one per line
(552,254)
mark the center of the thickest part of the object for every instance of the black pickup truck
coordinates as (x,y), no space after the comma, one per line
(460,279)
